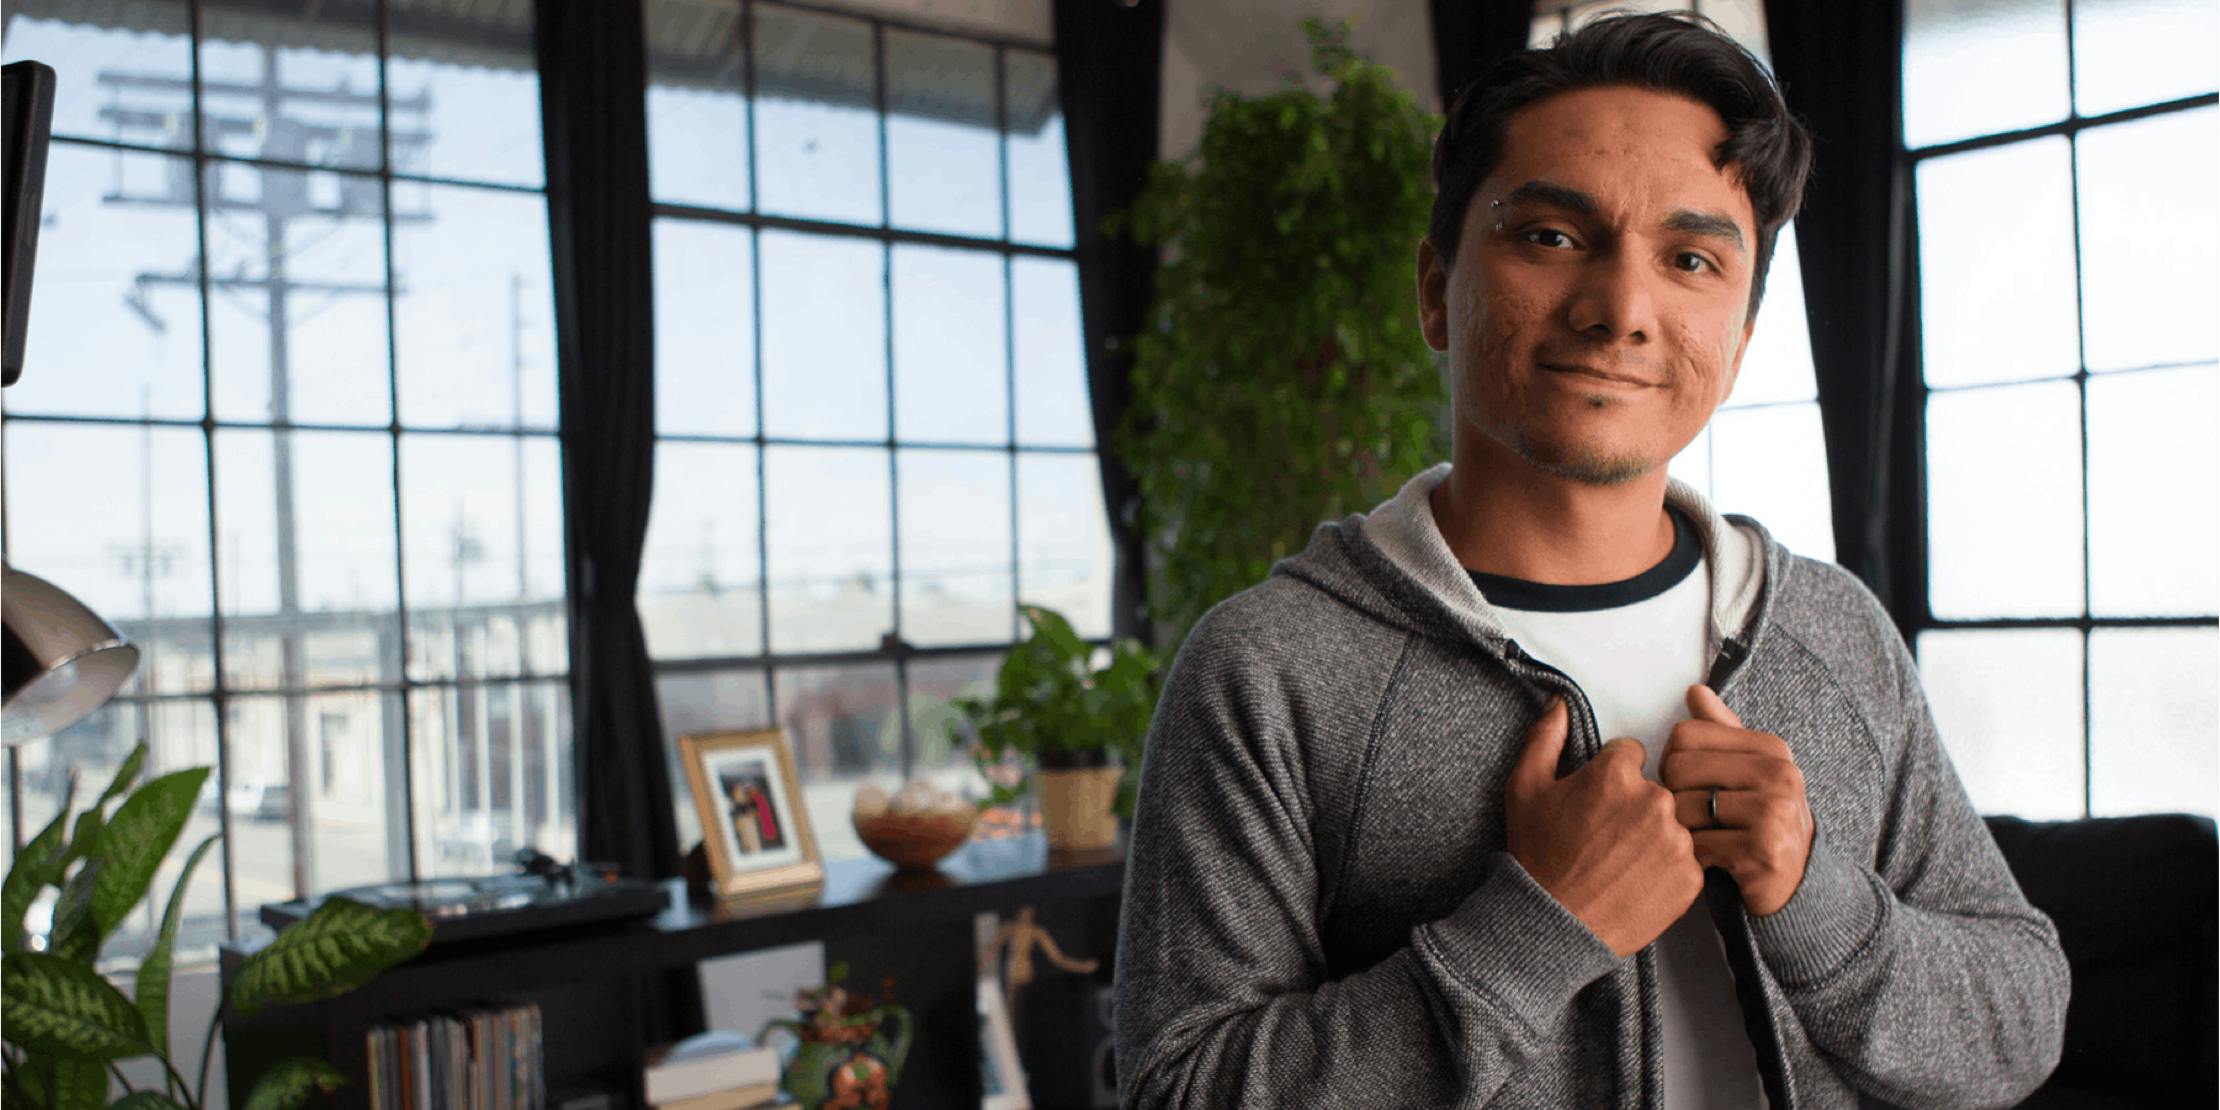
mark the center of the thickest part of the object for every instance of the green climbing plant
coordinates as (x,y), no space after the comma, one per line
(1282,379)
(64,1026)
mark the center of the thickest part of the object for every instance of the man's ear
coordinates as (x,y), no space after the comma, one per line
(1433,296)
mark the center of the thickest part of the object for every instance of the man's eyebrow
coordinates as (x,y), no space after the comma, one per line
(1708,224)
(1556,196)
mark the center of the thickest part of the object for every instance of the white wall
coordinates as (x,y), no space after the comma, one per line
(1023,20)
(1254,46)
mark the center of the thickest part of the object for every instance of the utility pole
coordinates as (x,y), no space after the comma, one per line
(285,137)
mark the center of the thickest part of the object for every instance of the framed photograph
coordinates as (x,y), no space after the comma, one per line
(755,828)
(1001,1076)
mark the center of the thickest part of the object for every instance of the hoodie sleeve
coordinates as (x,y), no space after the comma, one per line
(1926,976)
(1222,994)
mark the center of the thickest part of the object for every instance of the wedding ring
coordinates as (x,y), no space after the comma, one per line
(1712,807)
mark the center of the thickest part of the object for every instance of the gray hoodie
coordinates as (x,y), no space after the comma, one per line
(1318,909)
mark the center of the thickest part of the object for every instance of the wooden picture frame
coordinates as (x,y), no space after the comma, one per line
(754,822)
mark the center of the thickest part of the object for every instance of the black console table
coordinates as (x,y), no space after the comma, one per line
(588,981)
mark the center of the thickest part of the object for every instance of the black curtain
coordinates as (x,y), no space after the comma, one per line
(1839,68)
(1471,35)
(593,104)
(1109,58)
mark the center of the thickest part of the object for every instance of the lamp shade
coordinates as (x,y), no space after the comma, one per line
(61,661)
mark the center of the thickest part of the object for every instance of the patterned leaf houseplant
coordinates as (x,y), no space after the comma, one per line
(66,1026)
(1052,706)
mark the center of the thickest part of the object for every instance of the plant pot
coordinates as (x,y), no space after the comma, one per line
(855,1075)
(1076,800)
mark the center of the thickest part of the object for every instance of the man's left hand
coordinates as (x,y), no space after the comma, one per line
(1764,832)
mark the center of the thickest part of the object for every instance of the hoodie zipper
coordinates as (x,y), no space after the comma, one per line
(1725,900)
(1721,895)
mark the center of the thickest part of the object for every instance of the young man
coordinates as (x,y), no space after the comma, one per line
(1543,784)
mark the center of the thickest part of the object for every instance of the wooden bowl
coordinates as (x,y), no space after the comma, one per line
(914,841)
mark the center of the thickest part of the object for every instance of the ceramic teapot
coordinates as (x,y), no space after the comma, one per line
(858,1070)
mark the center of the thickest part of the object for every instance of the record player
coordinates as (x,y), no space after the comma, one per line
(540,895)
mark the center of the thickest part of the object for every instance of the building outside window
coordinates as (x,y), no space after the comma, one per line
(287,419)
(873,430)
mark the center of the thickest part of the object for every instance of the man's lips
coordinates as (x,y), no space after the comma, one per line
(1599,377)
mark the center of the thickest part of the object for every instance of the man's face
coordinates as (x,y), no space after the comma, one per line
(1597,310)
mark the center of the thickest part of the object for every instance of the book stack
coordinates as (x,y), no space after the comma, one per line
(476,1058)
(717,1070)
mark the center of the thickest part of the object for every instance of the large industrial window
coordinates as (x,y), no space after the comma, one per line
(874,436)
(2068,279)
(1763,453)
(288,420)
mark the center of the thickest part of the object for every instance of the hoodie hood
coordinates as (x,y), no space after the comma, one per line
(1394,564)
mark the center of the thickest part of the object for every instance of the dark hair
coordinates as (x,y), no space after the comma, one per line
(1670,52)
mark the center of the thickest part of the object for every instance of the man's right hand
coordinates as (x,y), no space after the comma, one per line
(1603,841)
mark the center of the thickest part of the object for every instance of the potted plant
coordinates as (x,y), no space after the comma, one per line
(843,1059)
(1053,707)
(66,1026)
(1281,379)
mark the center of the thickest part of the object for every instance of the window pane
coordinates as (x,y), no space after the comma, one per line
(2018,47)
(824,337)
(955,547)
(704,329)
(179,735)
(482,602)
(2008,708)
(2133,52)
(353,777)
(492,773)
(140,559)
(951,362)
(844,723)
(831,545)
(1778,365)
(701,576)
(1064,555)
(252,92)
(2152,719)
(1544,29)
(1996,259)
(114,328)
(943,168)
(1743,19)
(1040,177)
(1771,463)
(1052,404)
(2004,502)
(260,802)
(472,105)
(719,701)
(944,750)
(2152,436)
(130,81)
(306,541)
(297,327)
(2150,250)
(1693,464)
(475,311)
(697,105)
(817,124)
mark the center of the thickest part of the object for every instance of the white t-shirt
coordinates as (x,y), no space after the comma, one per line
(1634,647)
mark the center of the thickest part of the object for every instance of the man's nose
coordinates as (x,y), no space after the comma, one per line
(1612,300)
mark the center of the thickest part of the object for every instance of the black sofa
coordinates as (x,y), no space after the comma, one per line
(2134,901)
